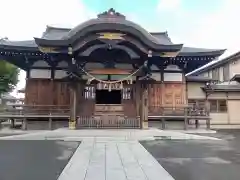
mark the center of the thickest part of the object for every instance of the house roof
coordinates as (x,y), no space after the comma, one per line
(223,88)
(231,86)
(236,77)
(215,64)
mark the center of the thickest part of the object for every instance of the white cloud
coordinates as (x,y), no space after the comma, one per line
(217,29)
(28,18)
(220,29)
(167,5)
(25,19)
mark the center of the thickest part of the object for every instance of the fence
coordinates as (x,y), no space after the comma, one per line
(108,121)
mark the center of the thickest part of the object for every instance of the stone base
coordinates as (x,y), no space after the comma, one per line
(72,125)
(145,125)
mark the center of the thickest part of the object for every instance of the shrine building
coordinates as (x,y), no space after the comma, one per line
(107,72)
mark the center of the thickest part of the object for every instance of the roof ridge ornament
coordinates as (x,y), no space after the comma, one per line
(111,13)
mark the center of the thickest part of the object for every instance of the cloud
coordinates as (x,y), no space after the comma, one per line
(25,19)
(217,27)
(221,28)
(166,5)
(28,18)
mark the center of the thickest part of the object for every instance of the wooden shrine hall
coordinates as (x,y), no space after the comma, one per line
(107,72)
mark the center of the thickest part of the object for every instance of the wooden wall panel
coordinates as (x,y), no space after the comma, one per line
(154,98)
(165,95)
(47,92)
(61,94)
(31,92)
(174,94)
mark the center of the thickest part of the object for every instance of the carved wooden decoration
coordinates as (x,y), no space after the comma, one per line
(111,36)
(174,94)
(48,49)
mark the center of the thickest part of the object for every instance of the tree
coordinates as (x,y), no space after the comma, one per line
(8,77)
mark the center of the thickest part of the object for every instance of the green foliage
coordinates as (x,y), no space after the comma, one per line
(8,77)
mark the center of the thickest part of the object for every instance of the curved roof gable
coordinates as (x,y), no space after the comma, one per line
(107,21)
(111,18)
(55,33)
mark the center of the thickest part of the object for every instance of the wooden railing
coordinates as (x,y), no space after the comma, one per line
(178,111)
(32,111)
(185,113)
(108,121)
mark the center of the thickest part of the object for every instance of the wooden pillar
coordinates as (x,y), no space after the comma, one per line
(162,88)
(73,107)
(24,124)
(144,106)
(138,98)
(12,123)
(162,109)
(185,118)
(207,109)
(50,124)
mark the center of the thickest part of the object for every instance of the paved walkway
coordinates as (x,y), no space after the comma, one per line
(119,134)
(98,160)
(110,154)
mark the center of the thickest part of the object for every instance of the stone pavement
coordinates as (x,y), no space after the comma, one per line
(111,154)
(99,160)
(119,134)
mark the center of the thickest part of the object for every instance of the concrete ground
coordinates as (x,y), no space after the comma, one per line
(101,134)
(117,154)
(2,134)
(28,160)
(199,159)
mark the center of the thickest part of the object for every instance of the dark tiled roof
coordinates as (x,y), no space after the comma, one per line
(188,51)
(28,43)
(65,36)
(162,37)
(198,79)
(236,77)
(216,64)
(54,33)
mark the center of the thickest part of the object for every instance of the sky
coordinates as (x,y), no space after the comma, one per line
(198,23)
